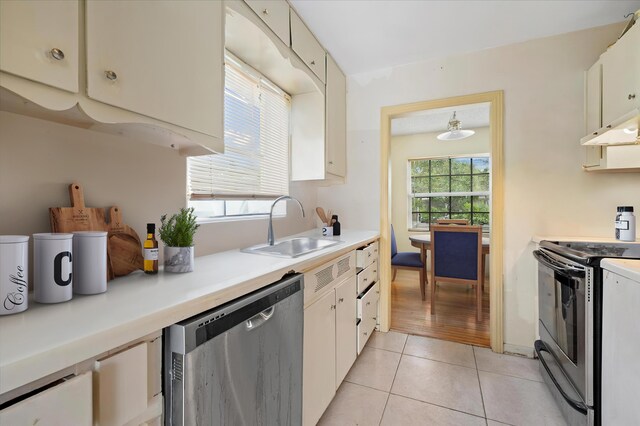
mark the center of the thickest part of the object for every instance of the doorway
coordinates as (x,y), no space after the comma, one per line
(405,290)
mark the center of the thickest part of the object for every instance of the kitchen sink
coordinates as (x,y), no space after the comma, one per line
(292,248)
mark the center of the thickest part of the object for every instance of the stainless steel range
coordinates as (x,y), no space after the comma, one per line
(570,311)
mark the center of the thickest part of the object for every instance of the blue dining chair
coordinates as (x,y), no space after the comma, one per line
(406,260)
(456,257)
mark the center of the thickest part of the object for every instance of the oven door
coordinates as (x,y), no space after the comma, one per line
(566,317)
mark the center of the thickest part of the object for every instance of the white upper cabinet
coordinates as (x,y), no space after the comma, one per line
(621,76)
(160,59)
(274,13)
(307,47)
(39,41)
(336,120)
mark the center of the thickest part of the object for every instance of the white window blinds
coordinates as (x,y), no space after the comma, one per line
(255,163)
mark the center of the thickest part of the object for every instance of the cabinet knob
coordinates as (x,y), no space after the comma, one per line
(368,303)
(111,75)
(365,280)
(365,333)
(333,307)
(57,54)
(330,162)
(265,11)
(595,133)
(631,96)
(341,300)
(369,254)
(314,62)
(609,126)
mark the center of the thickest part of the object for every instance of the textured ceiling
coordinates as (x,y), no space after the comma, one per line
(364,35)
(435,120)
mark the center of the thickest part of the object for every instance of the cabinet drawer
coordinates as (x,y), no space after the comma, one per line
(321,279)
(366,255)
(367,276)
(365,329)
(274,13)
(307,47)
(68,403)
(368,302)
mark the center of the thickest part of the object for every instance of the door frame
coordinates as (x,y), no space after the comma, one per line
(496,285)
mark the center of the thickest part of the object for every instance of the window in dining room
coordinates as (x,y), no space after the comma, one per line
(449,188)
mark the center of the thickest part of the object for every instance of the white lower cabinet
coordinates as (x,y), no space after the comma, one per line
(345,328)
(68,402)
(367,304)
(319,355)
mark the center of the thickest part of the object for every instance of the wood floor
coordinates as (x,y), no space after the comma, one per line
(455,317)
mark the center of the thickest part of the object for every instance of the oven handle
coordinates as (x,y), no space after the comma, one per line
(563,269)
(579,406)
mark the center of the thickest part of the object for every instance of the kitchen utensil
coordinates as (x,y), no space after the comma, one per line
(90,262)
(321,214)
(52,267)
(14,269)
(78,217)
(125,247)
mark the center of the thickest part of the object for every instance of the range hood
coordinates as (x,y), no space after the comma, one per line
(623,131)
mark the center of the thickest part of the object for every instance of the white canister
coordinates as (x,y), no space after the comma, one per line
(327,230)
(89,262)
(625,224)
(52,267)
(14,270)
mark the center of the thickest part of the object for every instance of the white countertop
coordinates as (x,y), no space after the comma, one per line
(629,268)
(537,238)
(49,338)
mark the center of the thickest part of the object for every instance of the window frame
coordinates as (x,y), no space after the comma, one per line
(450,194)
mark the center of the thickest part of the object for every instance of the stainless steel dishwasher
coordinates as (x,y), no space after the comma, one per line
(240,363)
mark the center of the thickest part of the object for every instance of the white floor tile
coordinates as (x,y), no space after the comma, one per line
(355,405)
(494,423)
(509,365)
(440,350)
(375,368)
(404,411)
(439,383)
(390,341)
(518,401)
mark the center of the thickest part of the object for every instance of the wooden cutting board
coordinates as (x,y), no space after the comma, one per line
(125,247)
(79,217)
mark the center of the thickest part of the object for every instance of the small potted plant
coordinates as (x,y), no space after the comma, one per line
(177,235)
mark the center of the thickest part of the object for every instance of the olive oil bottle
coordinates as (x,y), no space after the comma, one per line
(151,250)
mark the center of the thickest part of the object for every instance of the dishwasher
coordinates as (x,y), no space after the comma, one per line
(239,363)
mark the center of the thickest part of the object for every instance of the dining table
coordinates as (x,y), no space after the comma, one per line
(423,242)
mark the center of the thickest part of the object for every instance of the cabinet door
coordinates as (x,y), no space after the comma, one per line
(346,337)
(336,133)
(307,47)
(39,41)
(160,59)
(68,403)
(275,13)
(122,389)
(319,371)
(621,76)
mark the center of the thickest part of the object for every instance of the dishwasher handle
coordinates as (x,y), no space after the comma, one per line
(260,318)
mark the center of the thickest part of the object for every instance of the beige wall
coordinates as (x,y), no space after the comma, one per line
(546,191)
(416,146)
(38,160)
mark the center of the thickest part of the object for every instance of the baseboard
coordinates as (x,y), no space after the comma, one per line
(519,350)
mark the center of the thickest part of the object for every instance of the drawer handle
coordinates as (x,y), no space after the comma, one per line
(368,303)
(265,12)
(631,96)
(365,333)
(365,280)
(375,271)
(377,291)
(369,254)
(57,54)
(111,75)
(341,300)
(331,162)
(595,133)
(312,62)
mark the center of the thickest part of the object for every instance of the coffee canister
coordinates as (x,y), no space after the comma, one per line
(52,267)
(89,262)
(14,270)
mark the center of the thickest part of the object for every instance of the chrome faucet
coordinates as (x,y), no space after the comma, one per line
(270,237)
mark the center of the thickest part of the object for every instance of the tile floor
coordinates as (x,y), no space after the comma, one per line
(402,379)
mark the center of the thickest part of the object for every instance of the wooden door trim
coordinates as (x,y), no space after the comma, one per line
(496,279)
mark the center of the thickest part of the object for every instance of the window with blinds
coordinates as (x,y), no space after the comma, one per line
(255,165)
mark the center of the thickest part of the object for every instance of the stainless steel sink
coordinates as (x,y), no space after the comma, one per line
(292,248)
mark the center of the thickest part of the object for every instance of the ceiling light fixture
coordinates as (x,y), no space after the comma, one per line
(455,131)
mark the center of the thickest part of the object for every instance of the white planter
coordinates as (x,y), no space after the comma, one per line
(178,259)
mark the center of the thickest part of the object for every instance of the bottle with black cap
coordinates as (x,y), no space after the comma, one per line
(336,225)
(625,224)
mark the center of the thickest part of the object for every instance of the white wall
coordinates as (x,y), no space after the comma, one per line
(39,159)
(546,192)
(416,146)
